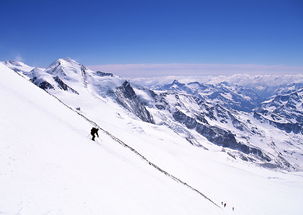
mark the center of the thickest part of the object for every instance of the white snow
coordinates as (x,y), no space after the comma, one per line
(48,164)
(18,66)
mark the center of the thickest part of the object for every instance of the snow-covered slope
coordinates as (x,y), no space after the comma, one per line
(108,178)
(48,164)
(224,114)
(285,107)
(18,66)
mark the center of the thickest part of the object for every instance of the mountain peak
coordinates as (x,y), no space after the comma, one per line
(14,62)
(18,66)
(176,82)
(67,60)
(127,90)
(67,68)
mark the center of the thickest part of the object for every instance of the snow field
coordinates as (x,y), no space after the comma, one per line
(48,164)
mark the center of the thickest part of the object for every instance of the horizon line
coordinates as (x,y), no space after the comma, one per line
(184,69)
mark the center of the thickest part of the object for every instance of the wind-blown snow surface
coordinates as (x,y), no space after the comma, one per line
(48,165)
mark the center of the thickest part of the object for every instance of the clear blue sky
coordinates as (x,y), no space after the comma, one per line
(153,31)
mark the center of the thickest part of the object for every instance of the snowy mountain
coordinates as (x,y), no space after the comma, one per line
(48,165)
(18,66)
(284,110)
(240,133)
(222,116)
(230,96)
(177,148)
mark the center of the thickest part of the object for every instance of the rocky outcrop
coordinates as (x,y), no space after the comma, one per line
(103,74)
(64,86)
(126,96)
(42,84)
(284,110)
(218,136)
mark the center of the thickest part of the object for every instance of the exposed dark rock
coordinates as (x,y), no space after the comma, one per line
(42,84)
(281,110)
(84,75)
(126,96)
(127,90)
(288,127)
(160,107)
(45,85)
(201,118)
(236,123)
(258,116)
(103,74)
(64,86)
(184,119)
(218,136)
(296,128)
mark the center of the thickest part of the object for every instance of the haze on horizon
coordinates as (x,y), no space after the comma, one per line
(143,38)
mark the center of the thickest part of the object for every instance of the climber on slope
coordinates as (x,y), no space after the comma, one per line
(94,132)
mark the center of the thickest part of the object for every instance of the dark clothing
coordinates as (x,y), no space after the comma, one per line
(93,132)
